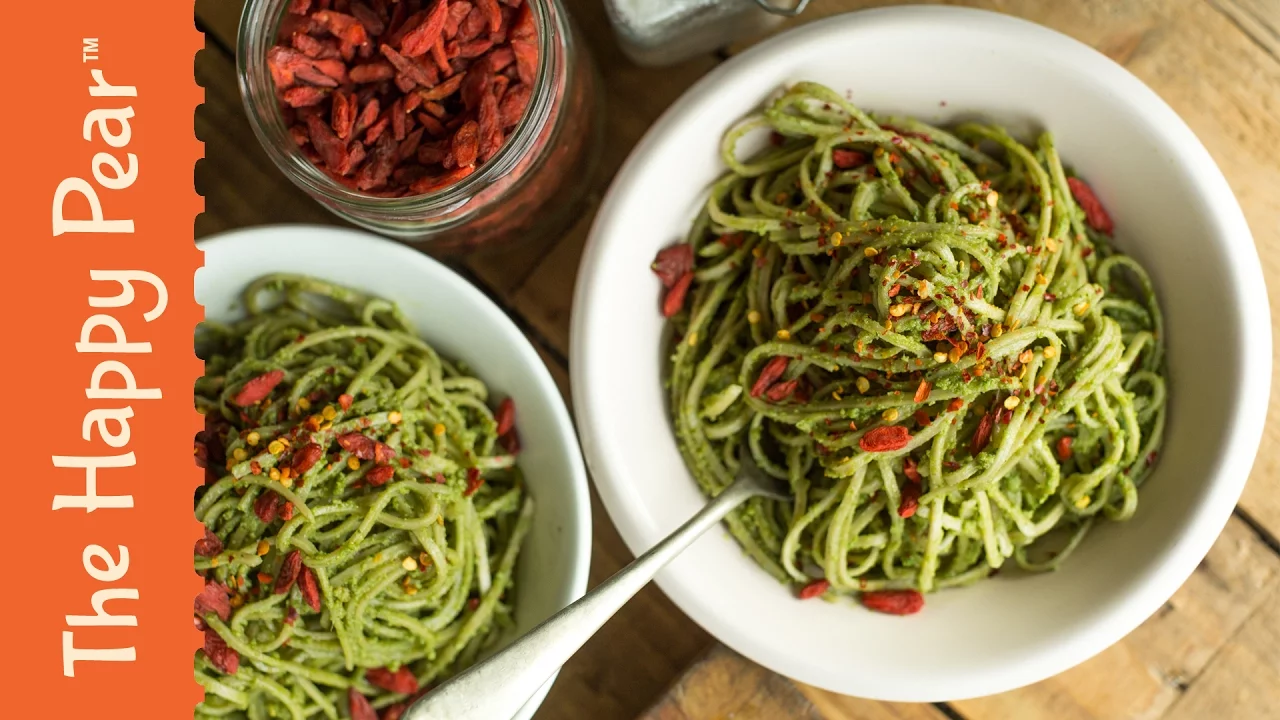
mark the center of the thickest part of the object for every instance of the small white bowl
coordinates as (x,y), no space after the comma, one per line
(462,324)
(1173,211)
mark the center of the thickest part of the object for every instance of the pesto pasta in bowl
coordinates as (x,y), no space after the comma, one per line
(376,514)
(950,317)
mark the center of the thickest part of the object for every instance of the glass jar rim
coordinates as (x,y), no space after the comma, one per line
(259,25)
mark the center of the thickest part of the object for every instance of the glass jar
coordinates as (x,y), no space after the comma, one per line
(535,186)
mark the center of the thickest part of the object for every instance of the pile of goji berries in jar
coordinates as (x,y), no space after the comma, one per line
(452,122)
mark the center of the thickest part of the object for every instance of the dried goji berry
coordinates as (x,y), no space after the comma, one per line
(458,11)
(845,159)
(781,391)
(526,60)
(466,143)
(672,263)
(894,602)
(310,588)
(332,150)
(372,72)
(1064,448)
(257,389)
(305,457)
(911,469)
(209,545)
(378,476)
(401,681)
(368,17)
(345,400)
(982,436)
(505,417)
(214,598)
(769,375)
(395,712)
(358,704)
(289,569)
(814,589)
(343,114)
(267,506)
(343,26)
(1094,213)
(222,656)
(425,28)
(511,441)
(674,300)
(910,501)
(885,439)
(304,96)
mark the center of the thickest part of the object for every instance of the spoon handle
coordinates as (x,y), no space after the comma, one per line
(498,687)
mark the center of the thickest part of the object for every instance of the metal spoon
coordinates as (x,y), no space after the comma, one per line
(499,686)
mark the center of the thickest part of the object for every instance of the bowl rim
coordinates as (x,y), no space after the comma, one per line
(1231,465)
(519,348)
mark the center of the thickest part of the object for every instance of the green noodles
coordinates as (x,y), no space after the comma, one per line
(958,287)
(334,432)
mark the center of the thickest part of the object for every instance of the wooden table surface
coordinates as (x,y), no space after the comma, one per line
(1212,651)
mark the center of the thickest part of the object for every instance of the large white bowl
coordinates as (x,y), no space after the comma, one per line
(462,324)
(1173,211)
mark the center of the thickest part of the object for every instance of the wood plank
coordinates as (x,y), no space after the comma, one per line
(723,684)
(1244,680)
(1259,18)
(1146,673)
(843,707)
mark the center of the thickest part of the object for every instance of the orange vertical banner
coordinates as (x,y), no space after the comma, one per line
(99,151)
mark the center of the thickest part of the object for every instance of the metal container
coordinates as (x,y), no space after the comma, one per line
(664,32)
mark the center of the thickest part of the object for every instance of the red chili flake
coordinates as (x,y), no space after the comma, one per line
(505,416)
(289,570)
(1094,213)
(769,375)
(673,263)
(910,499)
(894,602)
(885,439)
(291,617)
(845,159)
(222,657)
(922,418)
(310,588)
(814,589)
(305,458)
(922,392)
(257,389)
(1151,457)
(473,603)
(345,400)
(358,704)
(781,391)
(209,545)
(379,475)
(673,302)
(911,469)
(1064,448)
(214,598)
(401,681)
(1086,252)
(405,462)
(267,506)
(982,436)
(955,404)
(440,479)
(474,481)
